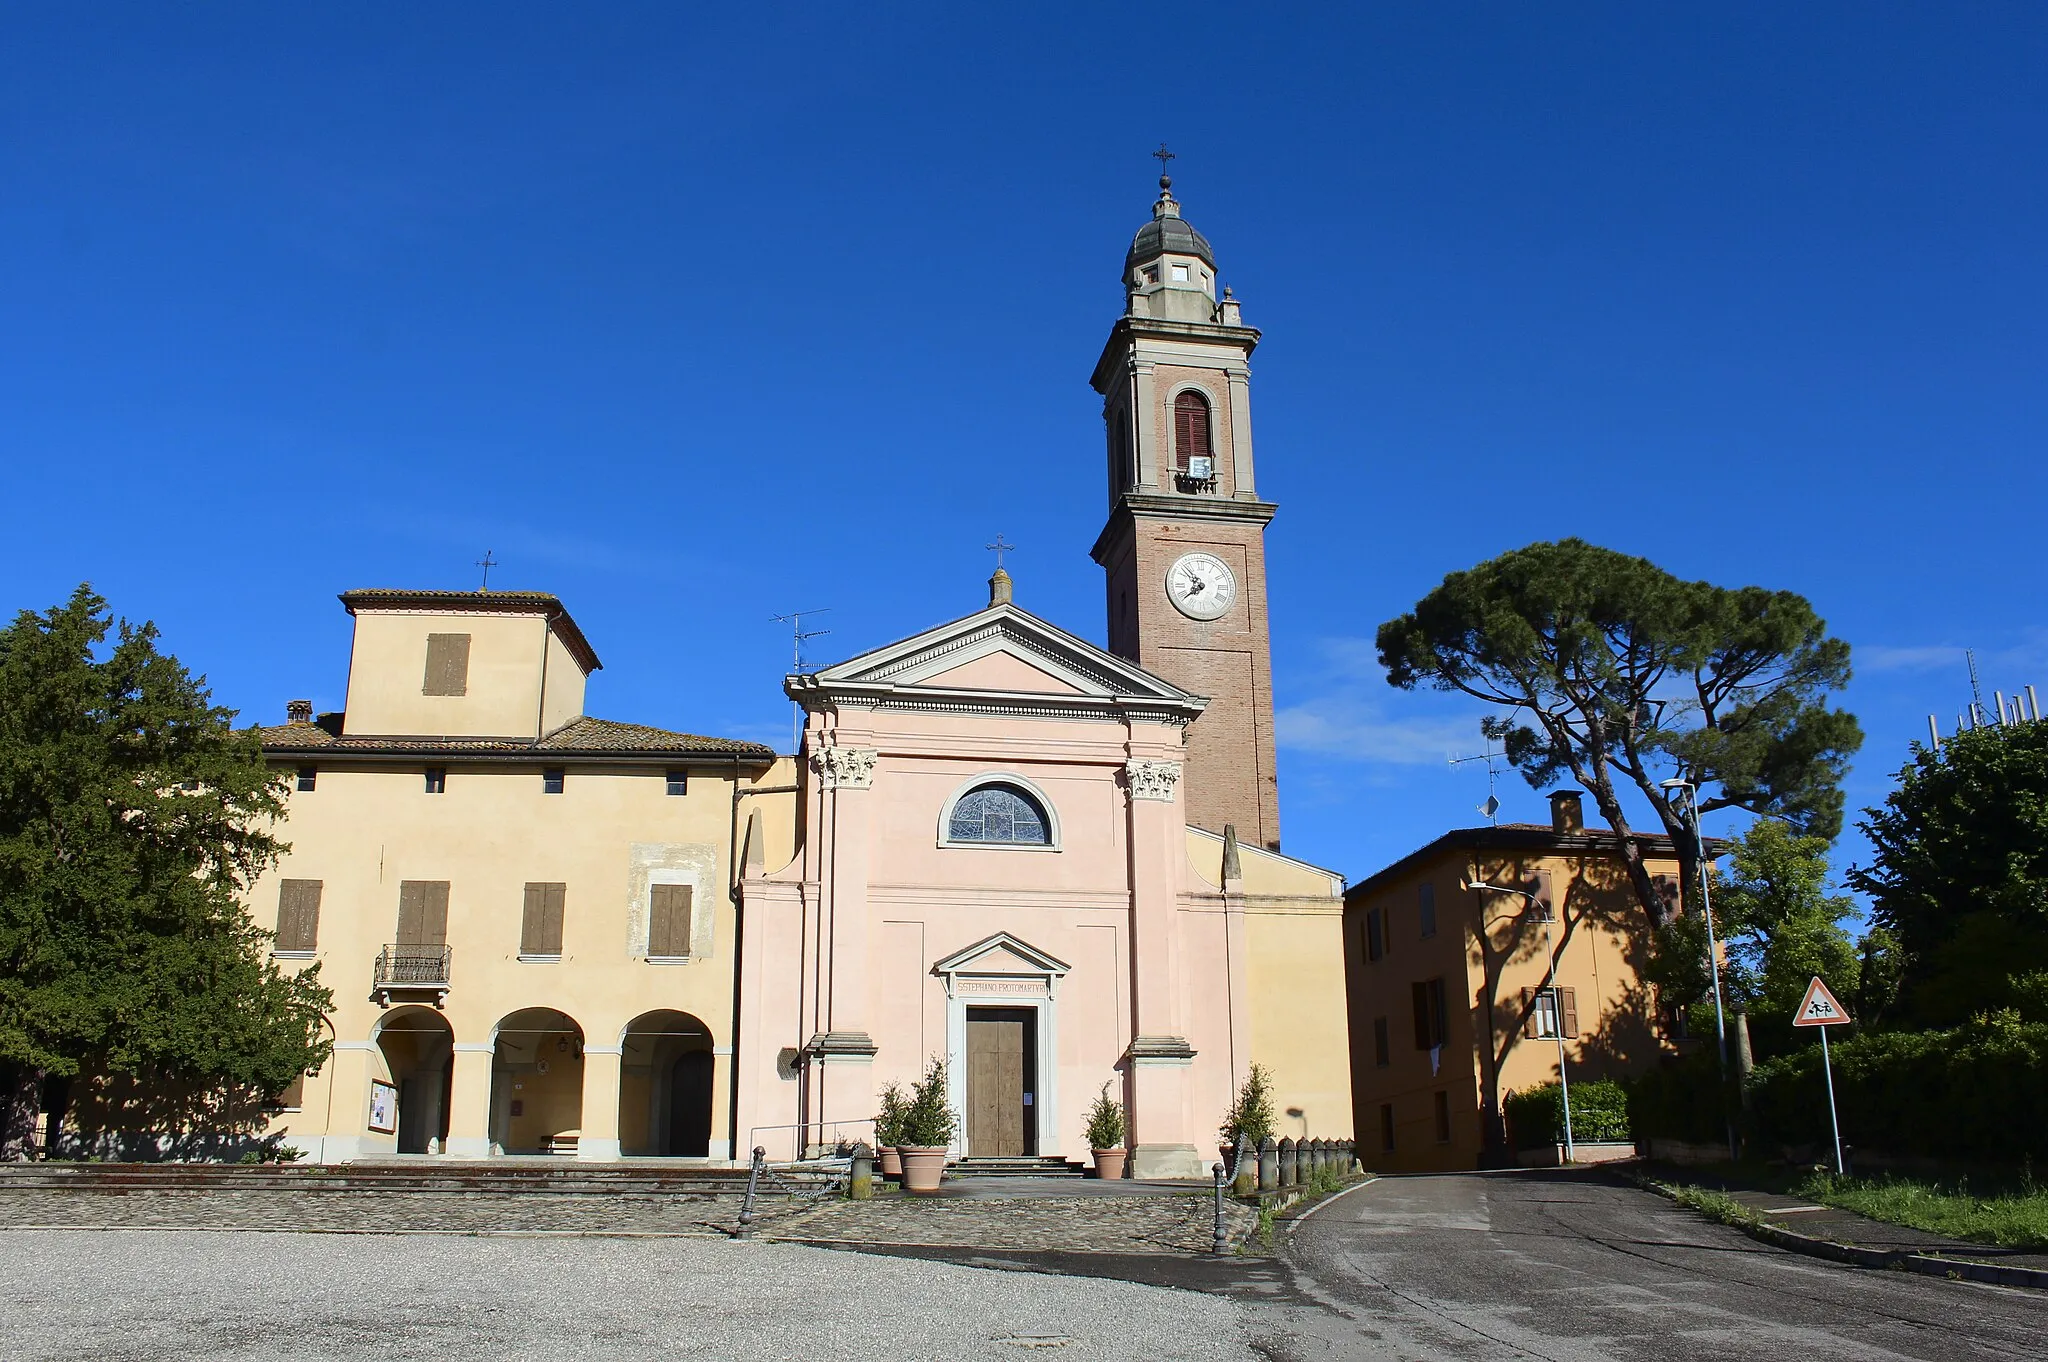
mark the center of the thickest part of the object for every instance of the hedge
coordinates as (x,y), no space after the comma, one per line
(1536,1116)
(1978,1092)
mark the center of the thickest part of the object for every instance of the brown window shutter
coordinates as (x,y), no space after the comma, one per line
(668,927)
(533,920)
(1543,893)
(298,915)
(294,1094)
(552,924)
(447,665)
(1419,993)
(423,912)
(1570,1010)
(1190,428)
(1382,1048)
(1528,1016)
(1439,1018)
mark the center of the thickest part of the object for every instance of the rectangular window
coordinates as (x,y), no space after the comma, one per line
(1428,998)
(552,779)
(540,927)
(1545,904)
(1382,1044)
(1425,909)
(1552,1012)
(1387,1126)
(668,921)
(293,1097)
(1375,938)
(1180,274)
(423,913)
(1443,1117)
(679,782)
(298,917)
(307,776)
(447,665)
(437,780)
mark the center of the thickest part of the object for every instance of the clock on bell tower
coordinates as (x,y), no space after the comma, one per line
(1184,546)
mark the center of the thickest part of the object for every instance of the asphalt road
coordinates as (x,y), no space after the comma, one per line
(1571,1266)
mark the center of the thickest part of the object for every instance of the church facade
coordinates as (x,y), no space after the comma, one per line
(1053,865)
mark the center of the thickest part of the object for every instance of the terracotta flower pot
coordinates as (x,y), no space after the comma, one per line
(1109,1163)
(892,1162)
(923,1166)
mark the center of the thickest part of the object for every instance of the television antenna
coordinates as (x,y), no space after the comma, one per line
(1491,808)
(798,636)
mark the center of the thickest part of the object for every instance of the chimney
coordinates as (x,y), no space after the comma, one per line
(1567,813)
(298,711)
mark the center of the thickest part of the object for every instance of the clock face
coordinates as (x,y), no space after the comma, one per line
(1200,586)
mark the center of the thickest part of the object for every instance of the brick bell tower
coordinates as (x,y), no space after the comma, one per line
(1184,546)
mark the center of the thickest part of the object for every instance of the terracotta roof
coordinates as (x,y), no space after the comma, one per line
(579,737)
(507,602)
(1523,837)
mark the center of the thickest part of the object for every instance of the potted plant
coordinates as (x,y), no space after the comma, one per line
(929,1124)
(1251,1117)
(889,1129)
(1106,1135)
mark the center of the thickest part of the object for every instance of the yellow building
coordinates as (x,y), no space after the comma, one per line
(1447,953)
(524,912)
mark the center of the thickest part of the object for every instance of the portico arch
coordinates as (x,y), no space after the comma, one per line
(536,1083)
(667,1086)
(416,1044)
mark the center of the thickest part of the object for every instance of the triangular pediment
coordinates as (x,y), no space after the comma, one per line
(1001,954)
(1008,653)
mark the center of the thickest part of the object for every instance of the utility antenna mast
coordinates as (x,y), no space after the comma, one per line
(798,636)
(1491,808)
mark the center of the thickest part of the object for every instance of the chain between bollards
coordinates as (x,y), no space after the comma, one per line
(1222,1236)
(753,1183)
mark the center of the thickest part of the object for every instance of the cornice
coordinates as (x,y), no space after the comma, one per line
(1131,506)
(1128,329)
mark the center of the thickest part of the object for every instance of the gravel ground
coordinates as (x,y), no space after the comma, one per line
(125,1295)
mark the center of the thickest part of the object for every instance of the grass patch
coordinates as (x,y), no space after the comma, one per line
(1715,1205)
(2015,1218)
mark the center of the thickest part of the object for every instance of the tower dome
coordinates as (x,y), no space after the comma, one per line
(1167,233)
(1170,271)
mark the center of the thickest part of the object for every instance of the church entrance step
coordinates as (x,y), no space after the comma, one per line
(1017,1168)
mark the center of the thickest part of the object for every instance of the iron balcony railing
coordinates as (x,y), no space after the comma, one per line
(1188,482)
(408,964)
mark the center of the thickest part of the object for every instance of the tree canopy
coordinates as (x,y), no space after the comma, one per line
(1959,874)
(133,819)
(1613,672)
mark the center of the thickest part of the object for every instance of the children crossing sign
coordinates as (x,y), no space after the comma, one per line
(1819,1008)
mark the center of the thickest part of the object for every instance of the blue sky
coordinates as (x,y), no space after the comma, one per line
(699,315)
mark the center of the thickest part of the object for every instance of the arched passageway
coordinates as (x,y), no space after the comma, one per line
(666,1086)
(416,1044)
(537,1083)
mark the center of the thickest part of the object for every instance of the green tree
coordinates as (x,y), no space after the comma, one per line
(1782,925)
(133,819)
(1959,874)
(1611,671)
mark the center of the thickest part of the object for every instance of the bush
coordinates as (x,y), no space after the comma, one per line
(889,1121)
(1251,1114)
(1599,1112)
(1105,1121)
(1683,1100)
(929,1120)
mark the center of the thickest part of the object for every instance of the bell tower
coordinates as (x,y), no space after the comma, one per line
(1184,546)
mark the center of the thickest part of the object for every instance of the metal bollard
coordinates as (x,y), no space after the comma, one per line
(1222,1235)
(753,1184)
(1290,1172)
(1269,1164)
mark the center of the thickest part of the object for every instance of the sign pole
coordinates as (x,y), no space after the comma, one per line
(1834,1122)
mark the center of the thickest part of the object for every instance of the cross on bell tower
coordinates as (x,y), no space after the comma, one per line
(1183,548)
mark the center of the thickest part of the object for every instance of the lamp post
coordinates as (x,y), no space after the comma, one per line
(1699,841)
(1564,1086)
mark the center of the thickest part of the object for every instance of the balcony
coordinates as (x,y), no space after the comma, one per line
(411,968)
(1188,482)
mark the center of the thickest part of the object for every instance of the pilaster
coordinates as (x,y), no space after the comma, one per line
(469,1100)
(599,1142)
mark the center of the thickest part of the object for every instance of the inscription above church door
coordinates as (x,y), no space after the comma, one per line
(1001,1045)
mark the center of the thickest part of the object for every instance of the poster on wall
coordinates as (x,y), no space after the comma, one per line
(383,1107)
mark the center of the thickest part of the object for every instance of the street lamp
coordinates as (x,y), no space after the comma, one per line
(1564,1086)
(1691,810)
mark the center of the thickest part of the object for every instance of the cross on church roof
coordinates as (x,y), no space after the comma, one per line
(487,563)
(1000,547)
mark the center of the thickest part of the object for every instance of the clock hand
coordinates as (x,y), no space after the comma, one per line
(1196,586)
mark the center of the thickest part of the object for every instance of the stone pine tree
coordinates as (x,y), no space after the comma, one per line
(133,818)
(1606,669)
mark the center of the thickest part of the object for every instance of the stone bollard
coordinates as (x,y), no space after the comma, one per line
(1269,1164)
(860,1174)
(1351,1166)
(1320,1159)
(1290,1173)
(1244,1169)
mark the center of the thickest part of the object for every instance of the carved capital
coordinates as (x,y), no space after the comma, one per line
(1152,779)
(845,768)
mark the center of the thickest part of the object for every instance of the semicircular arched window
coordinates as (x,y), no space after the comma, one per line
(1001,814)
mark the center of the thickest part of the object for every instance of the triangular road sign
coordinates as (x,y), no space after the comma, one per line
(1819,1008)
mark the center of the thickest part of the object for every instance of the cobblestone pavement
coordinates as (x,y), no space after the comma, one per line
(129,1296)
(1090,1224)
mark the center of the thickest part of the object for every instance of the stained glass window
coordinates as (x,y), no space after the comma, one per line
(998,813)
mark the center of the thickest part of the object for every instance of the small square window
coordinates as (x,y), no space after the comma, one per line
(1151,274)
(1180,274)
(307,775)
(552,779)
(437,780)
(1545,1015)
(678,782)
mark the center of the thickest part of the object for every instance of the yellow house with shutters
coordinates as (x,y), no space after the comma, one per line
(524,911)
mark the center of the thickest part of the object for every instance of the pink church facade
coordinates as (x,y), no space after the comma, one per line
(993,867)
